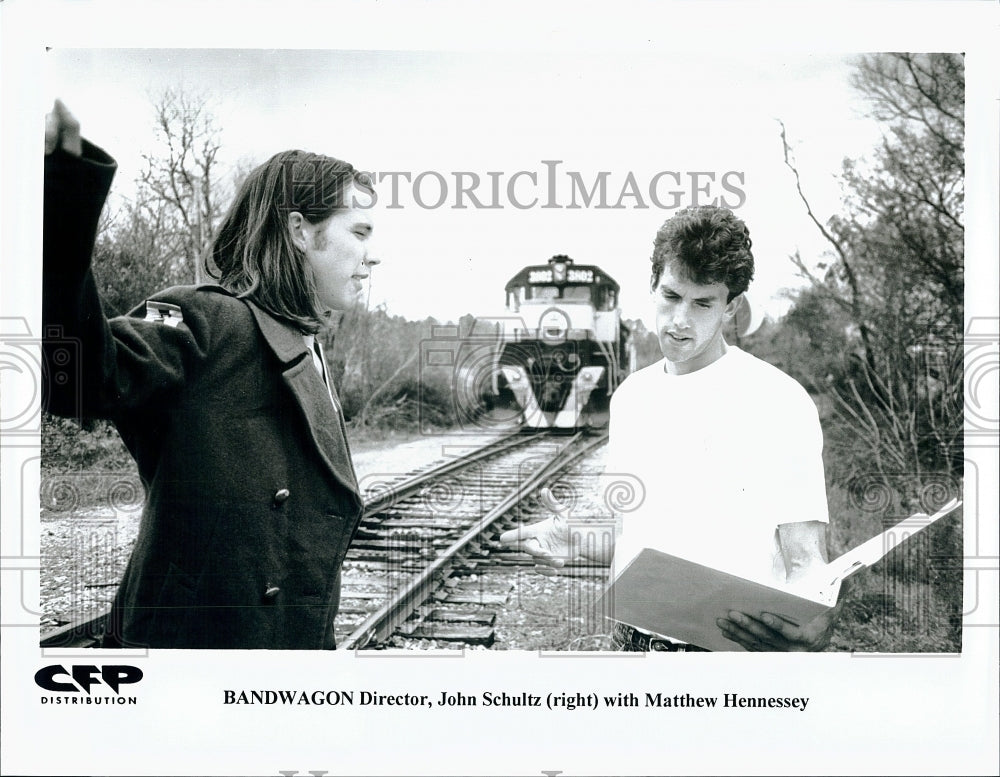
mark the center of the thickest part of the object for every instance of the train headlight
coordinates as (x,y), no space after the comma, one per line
(553,325)
(514,375)
(588,377)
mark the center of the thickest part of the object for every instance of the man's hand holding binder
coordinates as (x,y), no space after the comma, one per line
(766,632)
(664,594)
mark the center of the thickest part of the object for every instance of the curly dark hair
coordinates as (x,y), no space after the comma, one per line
(710,244)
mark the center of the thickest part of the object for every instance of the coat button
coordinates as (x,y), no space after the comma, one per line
(271,591)
(281,495)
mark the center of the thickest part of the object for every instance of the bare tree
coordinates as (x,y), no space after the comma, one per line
(896,272)
(178,187)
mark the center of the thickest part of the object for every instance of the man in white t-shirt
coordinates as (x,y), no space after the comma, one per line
(727,447)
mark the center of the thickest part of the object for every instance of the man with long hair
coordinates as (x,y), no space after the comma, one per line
(222,397)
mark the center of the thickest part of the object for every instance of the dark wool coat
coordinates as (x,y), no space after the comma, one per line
(251,498)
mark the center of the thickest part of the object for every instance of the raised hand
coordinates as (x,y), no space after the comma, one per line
(62,130)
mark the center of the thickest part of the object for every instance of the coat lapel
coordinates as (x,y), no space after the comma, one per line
(326,426)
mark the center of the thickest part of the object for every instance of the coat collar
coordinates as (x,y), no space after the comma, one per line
(285,341)
(326,425)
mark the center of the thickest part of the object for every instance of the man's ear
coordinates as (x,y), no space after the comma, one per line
(732,306)
(298,229)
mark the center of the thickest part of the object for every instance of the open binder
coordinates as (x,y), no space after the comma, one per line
(677,598)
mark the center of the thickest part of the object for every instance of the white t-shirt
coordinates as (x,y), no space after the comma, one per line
(725,454)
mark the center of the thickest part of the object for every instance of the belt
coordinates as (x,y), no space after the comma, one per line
(641,641)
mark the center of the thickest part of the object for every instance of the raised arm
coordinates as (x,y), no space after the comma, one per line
(94,367)
(78,176)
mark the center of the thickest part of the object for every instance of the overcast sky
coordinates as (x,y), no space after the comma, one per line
(629,115)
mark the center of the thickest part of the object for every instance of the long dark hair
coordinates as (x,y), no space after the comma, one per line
(253,252)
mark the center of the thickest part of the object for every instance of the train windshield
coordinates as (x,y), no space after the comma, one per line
(602,297)
(576,293)
(552,293)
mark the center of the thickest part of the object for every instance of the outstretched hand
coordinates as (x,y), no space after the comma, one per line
(62,130)
(549,541)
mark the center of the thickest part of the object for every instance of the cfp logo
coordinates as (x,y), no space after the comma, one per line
(81,677)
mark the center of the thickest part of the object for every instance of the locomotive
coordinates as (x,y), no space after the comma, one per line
(563,348)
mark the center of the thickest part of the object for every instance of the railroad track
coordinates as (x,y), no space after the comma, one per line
(403,574)
(421,536)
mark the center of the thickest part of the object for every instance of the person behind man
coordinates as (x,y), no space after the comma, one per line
(727,447)
(222,397)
